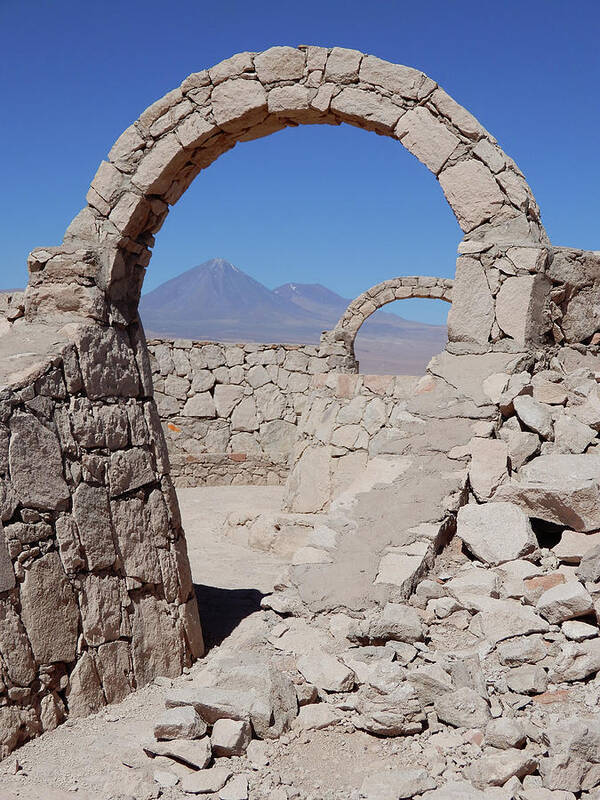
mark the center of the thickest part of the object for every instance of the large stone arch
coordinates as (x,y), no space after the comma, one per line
(98,271)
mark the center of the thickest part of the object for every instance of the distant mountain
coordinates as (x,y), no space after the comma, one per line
(313,297)
(216,300)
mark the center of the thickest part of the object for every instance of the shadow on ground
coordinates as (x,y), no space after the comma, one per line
(222,610)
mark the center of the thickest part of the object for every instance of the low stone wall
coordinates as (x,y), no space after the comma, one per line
(96,595)
(230,411)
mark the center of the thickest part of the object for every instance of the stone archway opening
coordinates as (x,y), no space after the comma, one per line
(342,338)
(401,337)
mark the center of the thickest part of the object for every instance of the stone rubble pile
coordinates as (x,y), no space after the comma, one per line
(489,665)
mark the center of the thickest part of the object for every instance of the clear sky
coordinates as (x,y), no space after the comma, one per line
(333,205)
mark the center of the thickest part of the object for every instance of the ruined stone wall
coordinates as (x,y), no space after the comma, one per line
(230,411)
(96,596)
(574,308)
(347,420)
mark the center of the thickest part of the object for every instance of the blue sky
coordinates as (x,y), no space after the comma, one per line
(313,204)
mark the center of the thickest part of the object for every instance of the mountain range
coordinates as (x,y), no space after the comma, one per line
(217,301)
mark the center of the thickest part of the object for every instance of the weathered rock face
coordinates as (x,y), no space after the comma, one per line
(95,597)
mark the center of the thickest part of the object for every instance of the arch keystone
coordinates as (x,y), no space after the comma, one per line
(280,64)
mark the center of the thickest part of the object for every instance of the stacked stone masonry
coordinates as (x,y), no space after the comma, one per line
(96,596)
(230,411)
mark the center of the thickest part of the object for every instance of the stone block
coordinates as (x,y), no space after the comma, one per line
(238,104)
(113,661)
(463,708)
(84,693)
(15,648)
(180,723)
(100,603)
(159,165)
(200,405)
(280,64)
(244,416)
(135,540)
(49,611)
(36,464)
(489,466)
(495,532)
(342,65)
(7,573)
(519,306)
(426,137)
(472,312)
(326,672)
(366,107)
(107,363)
(156,641)
(472,193)
(565,601)
(129,470)
(91,512)
(230,737)
(395,78)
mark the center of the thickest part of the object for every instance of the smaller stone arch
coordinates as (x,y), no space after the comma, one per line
(338,343)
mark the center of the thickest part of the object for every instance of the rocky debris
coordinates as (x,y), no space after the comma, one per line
(504,733)
(206,781)
(495,532)
(396,784)
(230,737)
(462,708)
(565,601)
(180,723)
